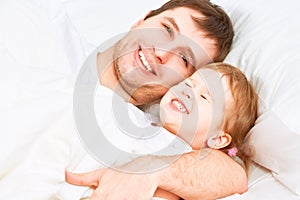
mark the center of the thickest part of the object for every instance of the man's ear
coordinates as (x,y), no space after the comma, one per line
(136,24)
(220,141)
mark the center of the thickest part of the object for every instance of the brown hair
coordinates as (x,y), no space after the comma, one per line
(216,24)
(241,114)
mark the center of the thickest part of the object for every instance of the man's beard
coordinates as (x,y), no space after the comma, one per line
(143,88)
(140,90)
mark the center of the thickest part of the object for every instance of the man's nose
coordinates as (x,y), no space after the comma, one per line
(163,55)
(167,50)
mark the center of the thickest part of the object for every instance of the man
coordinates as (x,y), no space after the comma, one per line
(158,52)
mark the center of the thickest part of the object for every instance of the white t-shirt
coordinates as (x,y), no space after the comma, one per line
(119,143)
(161,143)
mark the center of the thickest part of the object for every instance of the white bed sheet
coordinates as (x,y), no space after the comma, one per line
(39,55)
(32,57)
(42,45)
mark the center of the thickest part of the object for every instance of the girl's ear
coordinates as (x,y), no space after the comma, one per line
(220,141)
(136,24)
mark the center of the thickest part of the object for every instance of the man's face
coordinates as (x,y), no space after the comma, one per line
(160,52)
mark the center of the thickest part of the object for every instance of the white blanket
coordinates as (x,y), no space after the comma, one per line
(36,62)
(40,55)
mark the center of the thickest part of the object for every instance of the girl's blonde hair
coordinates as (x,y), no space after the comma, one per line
(241,114)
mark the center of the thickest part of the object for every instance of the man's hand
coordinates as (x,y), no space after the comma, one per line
(115,185)
(192,176)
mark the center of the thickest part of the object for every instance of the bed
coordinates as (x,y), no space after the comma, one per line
(53,38)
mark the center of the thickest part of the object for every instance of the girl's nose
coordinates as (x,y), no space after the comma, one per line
(188,93)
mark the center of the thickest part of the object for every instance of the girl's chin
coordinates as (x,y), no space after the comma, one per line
(170,129)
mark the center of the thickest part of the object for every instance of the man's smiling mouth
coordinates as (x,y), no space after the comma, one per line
(145,62)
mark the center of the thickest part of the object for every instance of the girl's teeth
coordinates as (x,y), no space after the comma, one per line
(180,106)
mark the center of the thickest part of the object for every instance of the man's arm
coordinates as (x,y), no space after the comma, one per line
(205,174)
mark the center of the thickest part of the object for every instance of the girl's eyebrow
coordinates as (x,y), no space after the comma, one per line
(206,91)
(204,86)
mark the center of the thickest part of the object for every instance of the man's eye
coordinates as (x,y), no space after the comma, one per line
(169,30)
(183,57)
(188,83)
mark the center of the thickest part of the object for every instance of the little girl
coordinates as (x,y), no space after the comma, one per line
(188,108)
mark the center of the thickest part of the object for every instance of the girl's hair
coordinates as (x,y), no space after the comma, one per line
(241,114)
(216,23)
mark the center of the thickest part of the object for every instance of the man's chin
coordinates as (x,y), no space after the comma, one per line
(142,98)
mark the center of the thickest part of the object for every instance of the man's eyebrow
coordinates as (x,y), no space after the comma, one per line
(173,23)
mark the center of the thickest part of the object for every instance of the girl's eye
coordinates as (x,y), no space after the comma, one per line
(202,96)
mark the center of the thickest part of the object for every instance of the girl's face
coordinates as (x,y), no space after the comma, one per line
(187,109)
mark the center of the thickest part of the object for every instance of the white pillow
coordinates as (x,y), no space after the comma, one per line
(266,48)
(99,20)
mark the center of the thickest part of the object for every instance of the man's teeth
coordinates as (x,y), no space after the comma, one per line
(145,62)
(179,106)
